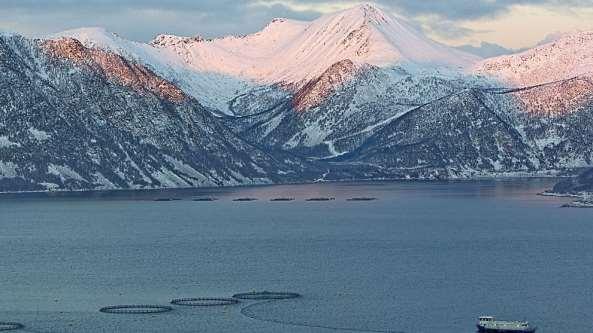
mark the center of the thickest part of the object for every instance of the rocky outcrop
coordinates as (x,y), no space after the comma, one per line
(317,91)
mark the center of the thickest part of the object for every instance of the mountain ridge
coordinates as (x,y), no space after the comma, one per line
(73,118)
(339,111)
(299,52)
(569,56)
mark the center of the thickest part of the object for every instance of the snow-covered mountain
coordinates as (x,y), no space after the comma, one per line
(213,90)
(564,67)
(359,94)
(78,118)
(568,57)
(295,53)
(286,53)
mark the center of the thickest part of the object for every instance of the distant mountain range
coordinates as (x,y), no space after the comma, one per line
(487,50)
(359,94)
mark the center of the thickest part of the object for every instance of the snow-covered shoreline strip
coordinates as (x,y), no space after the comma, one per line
(559,195)
(579,204)
(492,177)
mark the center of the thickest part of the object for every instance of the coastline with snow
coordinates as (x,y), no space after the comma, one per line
(579,204)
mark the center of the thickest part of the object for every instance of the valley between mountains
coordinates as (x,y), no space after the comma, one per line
(355,95)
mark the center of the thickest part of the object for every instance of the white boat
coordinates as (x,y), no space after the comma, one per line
(489,324)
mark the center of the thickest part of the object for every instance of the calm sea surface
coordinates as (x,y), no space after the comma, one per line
(424,257)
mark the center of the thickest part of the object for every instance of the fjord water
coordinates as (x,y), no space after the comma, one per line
(424,257)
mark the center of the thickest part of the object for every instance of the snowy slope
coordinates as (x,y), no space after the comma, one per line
(345,85)
(286,52)
(351,113)
(562,69)
(213,90)
(568,57)
(294,52)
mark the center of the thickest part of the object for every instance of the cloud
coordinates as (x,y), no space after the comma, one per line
(461,9)
(141,20)
(527,25)
(443,28)
(447,20)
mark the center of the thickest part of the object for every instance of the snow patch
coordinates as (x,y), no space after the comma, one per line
(8,170)
(549,141)
(188,170)
(6,143)
(104,182)
(50,186)
(332,150)
(39,135)
(212,89)
(64,172)
(168,178)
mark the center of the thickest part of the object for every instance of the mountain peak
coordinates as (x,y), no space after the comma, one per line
(96,32)
(362,15)
(293,53)
(92,37)
(374,36)
(367,8)
(369,11)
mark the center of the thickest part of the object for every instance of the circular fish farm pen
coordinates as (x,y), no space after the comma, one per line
(245,199)
(281,199)
(254,301)
(362,199)
(204,301)
(136,309)
(7,326)
(204,199)
(266,295)
(321,199)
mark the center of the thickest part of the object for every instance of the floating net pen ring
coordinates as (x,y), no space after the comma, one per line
(136,309)
(266,295)
(8,326)
(202,301)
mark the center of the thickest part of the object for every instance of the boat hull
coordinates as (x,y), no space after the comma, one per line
(482,329)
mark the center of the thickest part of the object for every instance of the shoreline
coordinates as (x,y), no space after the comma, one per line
(559,195)
(579,204)
(499,178)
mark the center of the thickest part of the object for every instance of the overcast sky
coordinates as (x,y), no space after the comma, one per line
(511,23)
